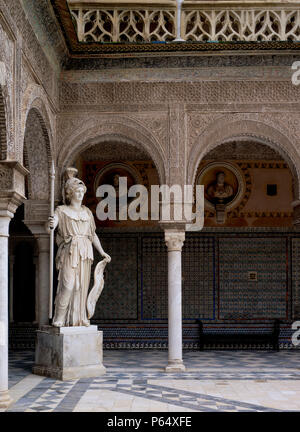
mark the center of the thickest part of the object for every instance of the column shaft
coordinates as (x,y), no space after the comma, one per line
(174,306)
(43,285)
(4,396)
(174,241)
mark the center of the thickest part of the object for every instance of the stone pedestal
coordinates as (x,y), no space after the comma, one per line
(69,352)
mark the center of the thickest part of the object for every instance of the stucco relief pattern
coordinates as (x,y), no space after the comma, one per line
(36,158)
(197,123)
(6,179)
(6,56)
(20,26)
(208,92)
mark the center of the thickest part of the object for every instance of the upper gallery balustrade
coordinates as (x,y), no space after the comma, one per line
(177,20)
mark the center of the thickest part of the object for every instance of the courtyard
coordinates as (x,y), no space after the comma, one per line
(135,381)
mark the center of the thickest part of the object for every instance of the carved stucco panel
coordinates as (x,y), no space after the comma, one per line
(7,57)
(6,179)
(156,123)
(209,92)
(37,158)
(197,123)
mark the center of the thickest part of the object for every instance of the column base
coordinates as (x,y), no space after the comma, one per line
(175,366)
(5,399)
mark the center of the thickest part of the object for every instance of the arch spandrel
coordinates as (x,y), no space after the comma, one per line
(227,130)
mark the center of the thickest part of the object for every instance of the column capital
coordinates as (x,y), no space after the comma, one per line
(12,187)
(9,202)
(12,175)
(174,240)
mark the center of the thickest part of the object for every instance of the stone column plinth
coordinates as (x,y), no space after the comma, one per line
(174,241)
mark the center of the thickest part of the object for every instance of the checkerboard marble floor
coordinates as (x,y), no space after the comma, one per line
(135,381)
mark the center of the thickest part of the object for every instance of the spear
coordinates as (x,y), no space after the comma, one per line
(52,183)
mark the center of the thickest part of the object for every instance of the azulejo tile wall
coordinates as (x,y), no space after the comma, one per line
(119,299)
(215,276)
(199,281)
(132,310)
(265,297)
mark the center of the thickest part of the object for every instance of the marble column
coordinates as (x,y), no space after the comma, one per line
(43,241)
(12,190)
(36,217)
(11,288)
(36,268)
(174,241)
(43,294)
(5,218)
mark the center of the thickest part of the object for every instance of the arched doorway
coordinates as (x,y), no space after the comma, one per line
(246,257)
(27,233)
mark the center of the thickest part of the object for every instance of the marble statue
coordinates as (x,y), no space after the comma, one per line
(75,238)
(220,191)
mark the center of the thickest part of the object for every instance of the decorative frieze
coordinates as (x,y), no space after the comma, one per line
(199,92)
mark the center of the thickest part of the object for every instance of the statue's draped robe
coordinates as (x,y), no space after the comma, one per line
(76,231)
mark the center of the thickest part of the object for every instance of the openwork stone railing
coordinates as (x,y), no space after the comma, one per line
(115,25)
(175,20)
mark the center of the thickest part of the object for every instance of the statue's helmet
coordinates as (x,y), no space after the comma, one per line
(72,183)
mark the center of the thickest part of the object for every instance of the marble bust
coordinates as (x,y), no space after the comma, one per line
(76,236)
(220,191)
